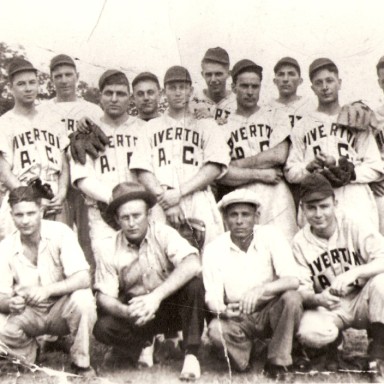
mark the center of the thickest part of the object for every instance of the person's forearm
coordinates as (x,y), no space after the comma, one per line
(112,306)
(281,285)
(63,181)
(95,189)
(148,179)
(182,274)
(369,270)
(311,300)
(206,176)
(79,280)
(6,176)
(4,303)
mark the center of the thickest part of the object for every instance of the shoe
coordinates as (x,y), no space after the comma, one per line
(86,372)
(146,357)
(377,373)
(278,372)
(191,369)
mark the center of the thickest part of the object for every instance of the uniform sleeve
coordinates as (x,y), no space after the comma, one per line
(71,255)
(295,170)
(6,148)
(6,281)
(106,275)
(212,277)
(281,127)
(142,155)
(370,167)
(176,248)
(81,171)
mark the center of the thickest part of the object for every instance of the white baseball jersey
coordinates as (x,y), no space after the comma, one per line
(174,151)
(353,243)
(320,132)
(248,137)
(220,111)
(69,112)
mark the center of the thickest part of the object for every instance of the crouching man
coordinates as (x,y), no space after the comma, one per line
(342,264)
(44,284)
(147,283)
(251,279)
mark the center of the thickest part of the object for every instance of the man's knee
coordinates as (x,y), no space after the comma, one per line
(317,329)
(215,332)
(194,288)
(377,285)
(292,299)
(83,302)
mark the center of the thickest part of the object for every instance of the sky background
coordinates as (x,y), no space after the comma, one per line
(153,35)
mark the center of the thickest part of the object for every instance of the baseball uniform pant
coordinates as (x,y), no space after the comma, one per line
(182,310)
(279,320)
(362,309)
(380,207)
(73,314)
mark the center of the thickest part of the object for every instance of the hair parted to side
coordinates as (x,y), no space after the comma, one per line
(23,193)
(116,79)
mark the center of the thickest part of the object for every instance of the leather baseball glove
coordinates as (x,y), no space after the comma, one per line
(340,175)
(92,143)
(110,220)
(358,116)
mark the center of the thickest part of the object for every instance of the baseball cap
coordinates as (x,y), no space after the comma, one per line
(127,191)
(380,64)
(287,61)
(18,64)
(218,54)
(238,196)
(243,65)
(177,73)
(320,63)
(145,76)
(315,187)
(61,60)
(109,73)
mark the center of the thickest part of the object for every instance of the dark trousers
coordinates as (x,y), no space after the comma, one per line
(183,310)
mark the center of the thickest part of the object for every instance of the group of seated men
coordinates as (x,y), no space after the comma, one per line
(192,215)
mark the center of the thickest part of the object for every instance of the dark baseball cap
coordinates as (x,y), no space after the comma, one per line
(380,64)
(177,73)
(246,65)
(19,64)
(315,187)
(109,73)
(218,55)
(145,76)
(61,60)
(287,61)
(319,64)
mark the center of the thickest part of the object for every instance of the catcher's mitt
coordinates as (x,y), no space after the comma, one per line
(358,116)
(194,231)
(109,219)
(42,190)
(340,175)
(92,143)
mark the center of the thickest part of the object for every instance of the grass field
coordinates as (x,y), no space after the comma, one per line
(214,370)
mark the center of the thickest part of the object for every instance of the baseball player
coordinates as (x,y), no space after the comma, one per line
(97,177)
(178,157)
(32,145)
(342,264)
(259,139)
(67,108)
(216,100)
(319,143)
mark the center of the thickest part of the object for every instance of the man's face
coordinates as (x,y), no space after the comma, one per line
(178,94)
(240,219)
(24,87)
(215,75)
(146,95)
(64,78)
(247,90)
(287,80)
(320,214)
(381,78)
(326,86)
(27,217)
(133,219)
(114,100)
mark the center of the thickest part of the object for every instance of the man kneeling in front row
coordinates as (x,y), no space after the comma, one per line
(44,284)
(147,283)
(342,264)
(251,280)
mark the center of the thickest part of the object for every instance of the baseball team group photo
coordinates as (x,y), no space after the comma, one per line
(173,228)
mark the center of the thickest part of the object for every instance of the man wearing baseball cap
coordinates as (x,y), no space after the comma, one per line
(216,100)
(32,146)
(258,138)
(251,279)
(147,282)
(178,157)
(323,142)
(342,263)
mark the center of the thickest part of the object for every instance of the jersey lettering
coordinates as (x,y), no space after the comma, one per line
(104,164)
(188,155)
(162,158)
(239,153)
(49,154)
(30,137)
(24,159)
(343,150)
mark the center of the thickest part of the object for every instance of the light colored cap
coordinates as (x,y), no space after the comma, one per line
(239,196)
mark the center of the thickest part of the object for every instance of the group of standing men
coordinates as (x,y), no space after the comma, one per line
(215,161)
